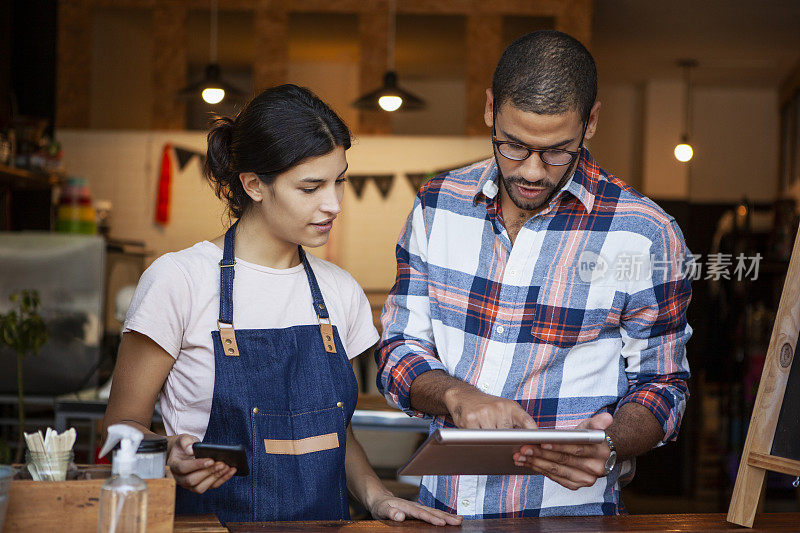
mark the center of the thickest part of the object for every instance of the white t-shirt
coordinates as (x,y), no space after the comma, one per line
(177,305)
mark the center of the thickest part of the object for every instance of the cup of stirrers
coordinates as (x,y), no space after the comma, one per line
(49,457)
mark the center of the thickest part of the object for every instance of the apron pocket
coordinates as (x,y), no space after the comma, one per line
(298,461)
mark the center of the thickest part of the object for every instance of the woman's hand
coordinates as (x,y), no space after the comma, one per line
(196,475)
(389,506)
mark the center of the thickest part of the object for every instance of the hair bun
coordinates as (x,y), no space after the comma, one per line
(218,155)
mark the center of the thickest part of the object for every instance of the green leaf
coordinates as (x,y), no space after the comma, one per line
(22,329)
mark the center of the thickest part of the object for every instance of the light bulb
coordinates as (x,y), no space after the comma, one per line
(213,95)
(390,103)
(683,152)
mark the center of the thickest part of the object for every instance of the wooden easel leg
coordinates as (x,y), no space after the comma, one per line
(747,493)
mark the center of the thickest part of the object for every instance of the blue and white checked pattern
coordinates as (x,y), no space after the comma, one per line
(548,322)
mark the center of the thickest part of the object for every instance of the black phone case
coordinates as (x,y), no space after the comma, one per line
(231,455)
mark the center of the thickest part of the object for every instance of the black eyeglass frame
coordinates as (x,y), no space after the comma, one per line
(540,151)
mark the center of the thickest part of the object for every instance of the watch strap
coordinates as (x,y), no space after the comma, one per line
(610,443)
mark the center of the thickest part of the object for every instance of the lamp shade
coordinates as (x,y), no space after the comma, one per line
(390,97)
(210,85)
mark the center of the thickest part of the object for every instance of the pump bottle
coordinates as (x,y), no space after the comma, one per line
(123,498)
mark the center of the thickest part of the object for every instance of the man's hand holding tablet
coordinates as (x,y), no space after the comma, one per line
(570,465)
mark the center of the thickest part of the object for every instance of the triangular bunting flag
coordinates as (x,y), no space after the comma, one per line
(183,156)
(358,182)
(384,183)
(418,179)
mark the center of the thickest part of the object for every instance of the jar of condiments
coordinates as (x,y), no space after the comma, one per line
(151,457)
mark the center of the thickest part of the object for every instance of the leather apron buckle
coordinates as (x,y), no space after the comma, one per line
(326,330)
(228,337)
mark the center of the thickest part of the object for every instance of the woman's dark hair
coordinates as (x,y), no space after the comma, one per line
(275,131)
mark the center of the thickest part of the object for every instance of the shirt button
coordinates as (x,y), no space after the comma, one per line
(500,329)
(513,272)
(465,503)
(485,386)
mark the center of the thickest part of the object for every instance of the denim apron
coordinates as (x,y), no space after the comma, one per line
(287,395)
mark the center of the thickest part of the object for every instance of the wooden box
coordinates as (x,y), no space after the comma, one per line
(73,506)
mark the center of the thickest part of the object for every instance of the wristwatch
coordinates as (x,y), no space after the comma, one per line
(612,457)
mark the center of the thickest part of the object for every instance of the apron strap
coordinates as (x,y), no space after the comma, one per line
(226,273)
(225,321)
(325,326)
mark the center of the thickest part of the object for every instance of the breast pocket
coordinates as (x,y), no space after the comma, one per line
(569,311)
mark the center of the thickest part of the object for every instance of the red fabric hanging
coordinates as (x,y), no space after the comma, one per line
(164,183)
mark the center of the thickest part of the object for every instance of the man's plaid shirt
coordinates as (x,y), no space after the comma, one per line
(585,312)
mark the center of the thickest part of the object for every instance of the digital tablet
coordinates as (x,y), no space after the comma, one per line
(486,451)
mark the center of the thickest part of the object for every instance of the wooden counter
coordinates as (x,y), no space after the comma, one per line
(198,524)
(700,523)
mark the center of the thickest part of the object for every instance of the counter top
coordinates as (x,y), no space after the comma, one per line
(665,522)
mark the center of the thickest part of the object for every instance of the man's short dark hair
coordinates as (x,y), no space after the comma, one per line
(546,72)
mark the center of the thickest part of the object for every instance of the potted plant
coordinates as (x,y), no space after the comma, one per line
(23,330)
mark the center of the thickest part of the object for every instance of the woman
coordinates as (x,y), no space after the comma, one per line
(248,339)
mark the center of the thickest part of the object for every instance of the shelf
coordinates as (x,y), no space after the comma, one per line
(20,178)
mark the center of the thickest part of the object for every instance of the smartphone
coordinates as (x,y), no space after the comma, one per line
(230,454)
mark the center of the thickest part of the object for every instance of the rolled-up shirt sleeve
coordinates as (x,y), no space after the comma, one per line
(655,331)
(406,348)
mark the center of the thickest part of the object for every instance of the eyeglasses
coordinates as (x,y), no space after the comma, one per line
(556,157)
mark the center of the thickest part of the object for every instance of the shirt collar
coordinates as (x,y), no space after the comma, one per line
(582,184)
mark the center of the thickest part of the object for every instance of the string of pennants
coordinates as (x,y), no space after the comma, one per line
(184,156)
(383,182)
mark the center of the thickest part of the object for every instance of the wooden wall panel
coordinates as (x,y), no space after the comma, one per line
(484,46)
(73,68)
(271,27)
(169,65)
(373,28)
(576,19)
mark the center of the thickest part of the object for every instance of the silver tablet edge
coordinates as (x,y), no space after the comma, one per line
(521,436)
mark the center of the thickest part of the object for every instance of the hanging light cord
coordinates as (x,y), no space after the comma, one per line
(392,31)
(212,48)
(687,65)
(688,117)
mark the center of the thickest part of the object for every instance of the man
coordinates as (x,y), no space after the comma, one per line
(535,289)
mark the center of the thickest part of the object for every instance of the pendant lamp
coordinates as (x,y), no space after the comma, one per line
(390,97)
(684,151)
(212,88)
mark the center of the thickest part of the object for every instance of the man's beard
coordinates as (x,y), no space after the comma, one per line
(534,204)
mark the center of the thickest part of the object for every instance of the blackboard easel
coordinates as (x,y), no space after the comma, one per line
(773,438)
